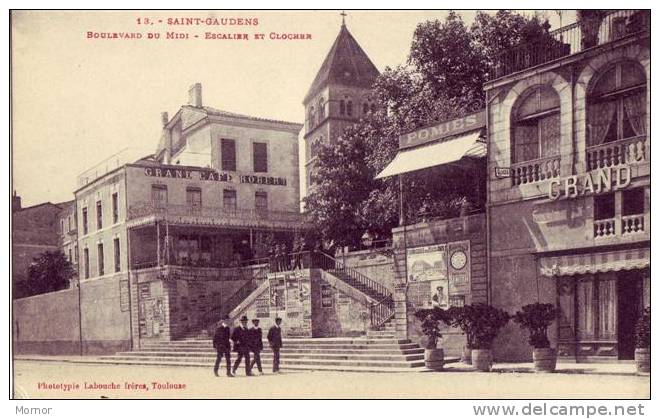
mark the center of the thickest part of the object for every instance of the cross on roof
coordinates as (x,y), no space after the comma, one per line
(343,18)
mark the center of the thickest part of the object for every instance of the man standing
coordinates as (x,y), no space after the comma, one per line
(241,338)
(256,344)
(275,341)
(222,346)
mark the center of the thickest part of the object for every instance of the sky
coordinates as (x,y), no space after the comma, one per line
(76,101)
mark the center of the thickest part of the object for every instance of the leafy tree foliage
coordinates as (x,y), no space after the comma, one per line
(49,272)
(443,79)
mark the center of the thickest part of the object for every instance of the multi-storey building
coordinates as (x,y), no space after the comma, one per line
(219,190)
(339,95)
(569,183)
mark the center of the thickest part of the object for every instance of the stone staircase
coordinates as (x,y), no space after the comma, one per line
(377,351)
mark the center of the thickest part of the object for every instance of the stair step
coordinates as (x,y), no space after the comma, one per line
(396,351)
(268,355)
(285,361)
(285,367)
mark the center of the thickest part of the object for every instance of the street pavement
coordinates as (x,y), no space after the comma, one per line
(55,378)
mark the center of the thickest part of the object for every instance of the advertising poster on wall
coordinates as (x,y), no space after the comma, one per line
(427,263)
(326,296)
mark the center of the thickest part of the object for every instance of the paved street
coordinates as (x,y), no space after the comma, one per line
(576,382)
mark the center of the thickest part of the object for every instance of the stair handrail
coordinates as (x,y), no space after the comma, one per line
(216,313)
(382,311)
(327,262)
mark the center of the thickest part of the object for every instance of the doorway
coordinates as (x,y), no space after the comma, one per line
(629,290)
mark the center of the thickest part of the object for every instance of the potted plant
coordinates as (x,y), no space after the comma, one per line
(487,321)
(461,317)
(589,21)
(536,318)
(430,318)
(643,342)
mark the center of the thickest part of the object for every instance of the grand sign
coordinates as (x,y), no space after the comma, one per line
(443,129)
(597,181)
(211,175)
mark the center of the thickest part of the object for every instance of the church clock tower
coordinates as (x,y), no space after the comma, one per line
(339,95)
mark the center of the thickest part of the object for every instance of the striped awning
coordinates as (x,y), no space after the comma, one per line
(589,263)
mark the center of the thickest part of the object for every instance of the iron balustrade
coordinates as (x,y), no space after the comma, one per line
(145,209)
(205,273)
(382,311)
(569,40)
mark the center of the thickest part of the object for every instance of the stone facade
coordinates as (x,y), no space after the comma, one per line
(529,225)
(412,295)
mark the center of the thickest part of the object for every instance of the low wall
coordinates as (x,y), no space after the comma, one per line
(47,324)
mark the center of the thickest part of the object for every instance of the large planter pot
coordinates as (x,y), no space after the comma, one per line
(467,355)
(545,359)
(643,360)
(434,359)
(482,359)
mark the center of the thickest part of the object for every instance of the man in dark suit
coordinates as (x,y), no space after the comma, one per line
(256,344)
(222,346)
(275,341)
(241,338)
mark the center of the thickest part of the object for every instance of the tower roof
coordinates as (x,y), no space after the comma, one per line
(346,64)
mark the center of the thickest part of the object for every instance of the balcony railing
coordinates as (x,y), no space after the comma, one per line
(212,215)
(535,170)
(626,151)
(604,228)
(632,224)
(205,273)
(568,40)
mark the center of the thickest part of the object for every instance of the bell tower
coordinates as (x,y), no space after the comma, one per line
(339,95)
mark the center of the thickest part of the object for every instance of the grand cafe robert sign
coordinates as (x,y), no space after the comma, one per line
(597,181)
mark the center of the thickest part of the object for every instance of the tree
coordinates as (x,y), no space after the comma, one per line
(50,271)
(443,78)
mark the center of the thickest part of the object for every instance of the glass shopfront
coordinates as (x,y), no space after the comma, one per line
(599,312)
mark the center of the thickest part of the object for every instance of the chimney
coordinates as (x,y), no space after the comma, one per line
(15,203)
(164,118)
(195,95)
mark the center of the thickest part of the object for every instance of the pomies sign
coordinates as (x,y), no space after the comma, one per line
(602,180)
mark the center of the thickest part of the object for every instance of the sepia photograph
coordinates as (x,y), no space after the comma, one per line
(332,204)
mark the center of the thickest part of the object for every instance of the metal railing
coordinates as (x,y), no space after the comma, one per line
(144,209)
(205,273)
(569,40)
(382,311)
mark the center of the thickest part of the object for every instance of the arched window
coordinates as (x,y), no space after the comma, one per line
(321,110)
(312,117)
(616,105)
(342,107)
(536,131)
(349,108)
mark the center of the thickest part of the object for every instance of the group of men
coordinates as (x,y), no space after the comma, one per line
(245,341)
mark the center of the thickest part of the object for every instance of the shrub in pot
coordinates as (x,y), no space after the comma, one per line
(431,318)
(643,342)
(461,317)
(536,318)
(486,322)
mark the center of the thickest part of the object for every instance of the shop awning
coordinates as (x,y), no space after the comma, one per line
(620,260)
(436,154)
